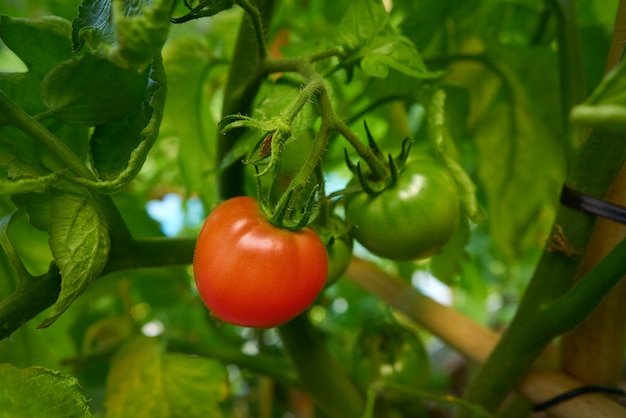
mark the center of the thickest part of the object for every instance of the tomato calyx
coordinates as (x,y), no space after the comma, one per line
(370,183)
(283,216)
(276,132)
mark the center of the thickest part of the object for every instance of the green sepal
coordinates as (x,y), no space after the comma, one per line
(395,166)
(372,143)
(283,219)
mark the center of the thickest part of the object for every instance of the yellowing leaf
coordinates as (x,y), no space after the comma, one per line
(144,381)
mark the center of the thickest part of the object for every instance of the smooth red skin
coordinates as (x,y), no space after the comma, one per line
(252,273)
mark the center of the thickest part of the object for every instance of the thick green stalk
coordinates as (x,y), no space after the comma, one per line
(244,81)
(528,335)
(594,351)
(43,291)
(28,301)
(475,342)
(319,372)
(277,368)
(573,87)
(592,168)
(528,339)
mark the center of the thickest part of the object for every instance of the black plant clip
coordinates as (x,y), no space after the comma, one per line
(594,206)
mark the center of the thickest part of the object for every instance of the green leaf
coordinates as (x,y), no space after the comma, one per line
(25,162)
(89,90)
(25,185)
(78,238)
(606,107)
(188,116)
(144,381)
(131,32)
(424,20)
(521,171)
(93,24)
(276,98)
(112,143)
(51,36)
(368,34)
(194,385)
(141,29)
(119,149)
(40,392)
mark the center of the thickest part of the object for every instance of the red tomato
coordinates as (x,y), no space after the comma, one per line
(252,273)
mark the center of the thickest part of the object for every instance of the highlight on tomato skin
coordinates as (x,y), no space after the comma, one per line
(252,273)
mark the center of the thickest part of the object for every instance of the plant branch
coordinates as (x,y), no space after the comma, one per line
(574,306)
(274,367)
(573,87)
(30,126)
(257,22)
(70,160)
(40,293)
(244,80)
(296,64)
(28,301)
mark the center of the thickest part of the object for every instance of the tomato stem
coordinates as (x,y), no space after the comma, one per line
(322,376)
(379,169)
(244,80)
(283,207)
(257,22)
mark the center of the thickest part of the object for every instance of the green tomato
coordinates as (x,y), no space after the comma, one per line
(411,219)
(390,353)
(339,253)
